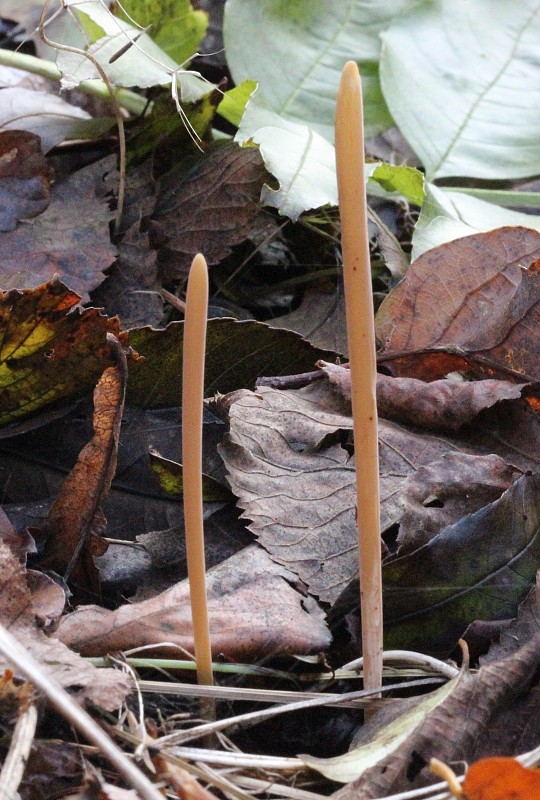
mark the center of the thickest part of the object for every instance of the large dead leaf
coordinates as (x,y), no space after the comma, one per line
(76,514)
(237,352)
(107,687)
(479,567)
(208,209)
(49,350)
(479,295)
(253,611)
(70,239)
(296,484)
(24,178)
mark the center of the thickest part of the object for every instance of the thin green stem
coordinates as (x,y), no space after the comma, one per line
(132,102)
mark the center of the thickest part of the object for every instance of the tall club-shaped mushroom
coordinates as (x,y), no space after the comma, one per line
(192,420)
(362,357)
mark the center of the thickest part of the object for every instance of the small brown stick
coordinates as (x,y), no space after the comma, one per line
(192,420)
(363,364)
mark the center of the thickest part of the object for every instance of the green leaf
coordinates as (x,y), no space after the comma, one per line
(463,85)
(403,180)
(449,215)
(296,51)
(234,101)
(171,480)
(237,353)
(174,24)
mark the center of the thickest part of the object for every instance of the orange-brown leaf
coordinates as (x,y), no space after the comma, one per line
(501,779)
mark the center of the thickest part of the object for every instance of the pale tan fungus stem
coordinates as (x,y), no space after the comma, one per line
(363,365)
(192,420)
(443,771)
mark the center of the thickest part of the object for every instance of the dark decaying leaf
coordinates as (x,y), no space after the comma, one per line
(24,178)
(478,568)
(492,712)
(445,405)
(208,209)
(237,352)
(480,294)
(253,611)
(107,688)
(49,350)
(70,239)
(131,288)
(444,491)
(76,514)
(320,319)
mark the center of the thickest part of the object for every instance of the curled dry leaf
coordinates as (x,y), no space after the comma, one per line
(107,687)
(76,513)
(444,405)
(253,611)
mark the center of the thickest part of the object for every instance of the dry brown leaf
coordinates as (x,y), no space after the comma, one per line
(320,319)
(444,491)
(76,513)
(105,687)
(479,294)
(296,484)
(210,209)
(181,782)
(70,239)
(253,610)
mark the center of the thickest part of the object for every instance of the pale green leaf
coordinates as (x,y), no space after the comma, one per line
(143,64)
(299,158)
(403,180)
(449,215)
(234,101)
(296,51)
(462,81)
(351,765)
(48,116)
